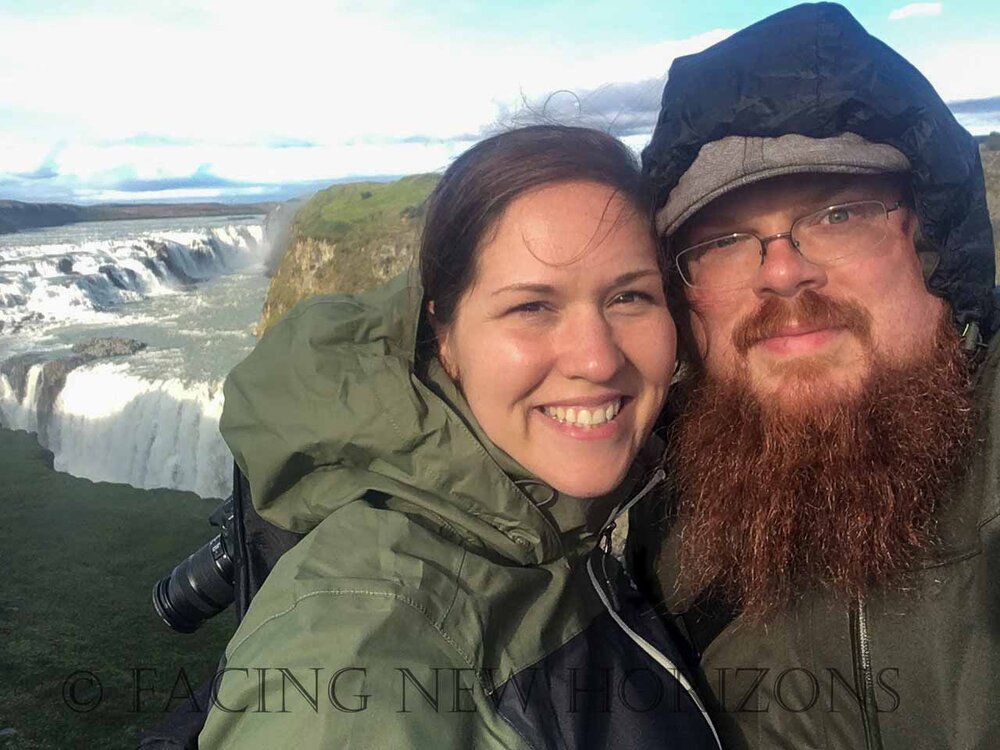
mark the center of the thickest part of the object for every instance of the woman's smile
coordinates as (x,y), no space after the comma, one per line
(580,415)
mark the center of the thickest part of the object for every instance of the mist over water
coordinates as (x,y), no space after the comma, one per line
(191,290)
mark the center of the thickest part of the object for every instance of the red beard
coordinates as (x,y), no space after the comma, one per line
(842,497)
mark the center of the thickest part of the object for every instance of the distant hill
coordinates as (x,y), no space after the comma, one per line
(348,238)
(15,215)
(990,104)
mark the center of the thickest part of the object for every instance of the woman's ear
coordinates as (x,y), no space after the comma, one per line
(442,333)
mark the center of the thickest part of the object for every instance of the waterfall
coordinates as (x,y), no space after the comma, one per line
(143,409)
(51,283)
(107,424)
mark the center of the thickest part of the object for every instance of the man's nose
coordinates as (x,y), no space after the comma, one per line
(589,348)
(785,272)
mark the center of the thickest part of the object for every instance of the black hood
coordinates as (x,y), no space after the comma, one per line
(813,70)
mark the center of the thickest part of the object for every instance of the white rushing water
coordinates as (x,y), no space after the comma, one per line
(109,424)
(191,290)
(54,277)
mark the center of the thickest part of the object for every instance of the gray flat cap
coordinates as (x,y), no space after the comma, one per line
(735,161)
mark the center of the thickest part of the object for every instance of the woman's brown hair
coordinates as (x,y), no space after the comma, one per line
(480,184)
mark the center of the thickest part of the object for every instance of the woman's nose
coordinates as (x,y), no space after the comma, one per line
(589,348)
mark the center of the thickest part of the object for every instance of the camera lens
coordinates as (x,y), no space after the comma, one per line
(198,588)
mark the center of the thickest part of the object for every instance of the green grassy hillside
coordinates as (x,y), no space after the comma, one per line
(362,211)
(348,238)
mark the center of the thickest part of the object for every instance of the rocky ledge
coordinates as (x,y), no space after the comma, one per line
(108,346)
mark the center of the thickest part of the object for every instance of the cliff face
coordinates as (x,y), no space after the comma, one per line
(348,238)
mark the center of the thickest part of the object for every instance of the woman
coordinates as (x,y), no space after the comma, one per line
(455,454)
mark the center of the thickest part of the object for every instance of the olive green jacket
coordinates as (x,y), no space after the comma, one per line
(435,573)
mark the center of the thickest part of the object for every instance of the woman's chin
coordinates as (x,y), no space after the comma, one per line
(587,483)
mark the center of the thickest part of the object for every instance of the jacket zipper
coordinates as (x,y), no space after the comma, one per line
(863,676)
(652,652)
(612,604)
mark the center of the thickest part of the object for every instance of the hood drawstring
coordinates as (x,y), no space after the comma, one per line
(524,484)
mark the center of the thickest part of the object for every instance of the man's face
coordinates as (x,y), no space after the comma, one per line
(805,334)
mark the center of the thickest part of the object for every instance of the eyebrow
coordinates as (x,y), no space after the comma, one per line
(535,288)
(815,200)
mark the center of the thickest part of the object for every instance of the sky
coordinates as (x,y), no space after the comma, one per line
(239,100)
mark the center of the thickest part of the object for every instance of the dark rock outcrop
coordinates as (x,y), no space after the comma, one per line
(108,346)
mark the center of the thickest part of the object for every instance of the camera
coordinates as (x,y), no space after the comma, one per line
(204,584)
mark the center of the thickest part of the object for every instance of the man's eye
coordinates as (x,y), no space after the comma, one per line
(724,242)
(837,216)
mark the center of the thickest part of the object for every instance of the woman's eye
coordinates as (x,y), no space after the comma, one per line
(529,308)
(631,297)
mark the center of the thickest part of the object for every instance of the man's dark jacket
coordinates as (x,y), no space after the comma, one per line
(916,665)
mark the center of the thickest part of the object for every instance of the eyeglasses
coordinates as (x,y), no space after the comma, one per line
(823,237)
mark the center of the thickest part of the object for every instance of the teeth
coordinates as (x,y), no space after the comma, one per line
(584,417)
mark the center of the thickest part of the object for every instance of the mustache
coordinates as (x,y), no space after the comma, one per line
(771,506)
(808,308)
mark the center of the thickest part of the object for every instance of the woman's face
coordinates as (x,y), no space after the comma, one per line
(563,344)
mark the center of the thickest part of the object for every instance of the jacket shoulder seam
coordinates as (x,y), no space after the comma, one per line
(454,596)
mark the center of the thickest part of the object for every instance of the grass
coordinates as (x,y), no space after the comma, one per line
(361,211)
(348,238)
(79,560)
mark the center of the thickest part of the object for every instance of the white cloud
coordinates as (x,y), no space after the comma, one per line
(210,87)
(352,78)
(174,194)
(916,9)
(960,69)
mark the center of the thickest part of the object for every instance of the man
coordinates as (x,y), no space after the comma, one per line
(831,545)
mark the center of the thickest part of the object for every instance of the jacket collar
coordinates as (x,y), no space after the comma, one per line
(564,524)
